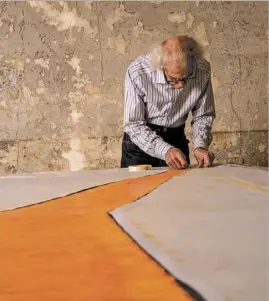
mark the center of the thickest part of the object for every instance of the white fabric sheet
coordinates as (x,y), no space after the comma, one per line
(256,175)
(20,190)
(207,230)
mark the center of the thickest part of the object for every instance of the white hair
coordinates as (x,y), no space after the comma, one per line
(157,57)
(160,58)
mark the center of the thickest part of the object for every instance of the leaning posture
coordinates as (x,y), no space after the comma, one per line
(161,89)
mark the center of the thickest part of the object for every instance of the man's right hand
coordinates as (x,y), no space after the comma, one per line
(176,159)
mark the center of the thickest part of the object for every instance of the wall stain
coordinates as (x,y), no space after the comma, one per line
(177,17)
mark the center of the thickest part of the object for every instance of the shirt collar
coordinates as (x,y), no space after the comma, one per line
(160,78)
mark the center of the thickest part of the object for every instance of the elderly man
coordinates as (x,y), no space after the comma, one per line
(160,91)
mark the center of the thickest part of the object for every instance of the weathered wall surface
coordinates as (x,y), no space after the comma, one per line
(62,68)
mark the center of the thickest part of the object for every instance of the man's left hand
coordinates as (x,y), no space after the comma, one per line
(204,157)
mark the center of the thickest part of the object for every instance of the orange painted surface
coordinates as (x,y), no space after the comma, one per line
(70,249)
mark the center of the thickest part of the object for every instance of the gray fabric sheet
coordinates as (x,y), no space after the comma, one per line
(20,190)
(207,230)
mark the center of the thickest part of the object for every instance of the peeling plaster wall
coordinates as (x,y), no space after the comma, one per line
(63,65)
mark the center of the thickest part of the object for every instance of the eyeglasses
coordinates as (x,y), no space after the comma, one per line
(177,80)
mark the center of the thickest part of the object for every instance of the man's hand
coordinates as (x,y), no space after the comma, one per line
(203,157)
(176,159)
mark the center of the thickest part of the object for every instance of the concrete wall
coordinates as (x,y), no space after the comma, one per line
(62,68)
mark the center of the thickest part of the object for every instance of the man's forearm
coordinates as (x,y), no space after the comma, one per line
(147,140)
(202,136)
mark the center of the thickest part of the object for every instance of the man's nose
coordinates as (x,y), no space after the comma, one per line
(179,85)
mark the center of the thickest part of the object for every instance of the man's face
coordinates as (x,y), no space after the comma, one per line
(175,78)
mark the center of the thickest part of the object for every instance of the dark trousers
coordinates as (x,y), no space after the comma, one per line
(133,155)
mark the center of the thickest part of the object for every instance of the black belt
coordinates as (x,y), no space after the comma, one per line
(163,129)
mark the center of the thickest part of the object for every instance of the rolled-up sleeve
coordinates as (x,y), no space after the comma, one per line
(203,115)
(135,124)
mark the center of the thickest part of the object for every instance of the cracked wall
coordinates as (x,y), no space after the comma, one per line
(63,65)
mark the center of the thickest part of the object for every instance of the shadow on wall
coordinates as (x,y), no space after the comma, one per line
(246,148)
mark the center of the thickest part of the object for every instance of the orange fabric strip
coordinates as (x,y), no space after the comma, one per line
(70,249)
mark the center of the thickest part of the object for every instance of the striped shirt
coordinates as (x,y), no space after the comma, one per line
(148,98)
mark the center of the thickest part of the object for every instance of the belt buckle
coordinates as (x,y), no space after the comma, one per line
(164,129)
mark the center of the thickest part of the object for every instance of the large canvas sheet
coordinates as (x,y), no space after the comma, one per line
(253,176)
(208,230)
(20,190)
